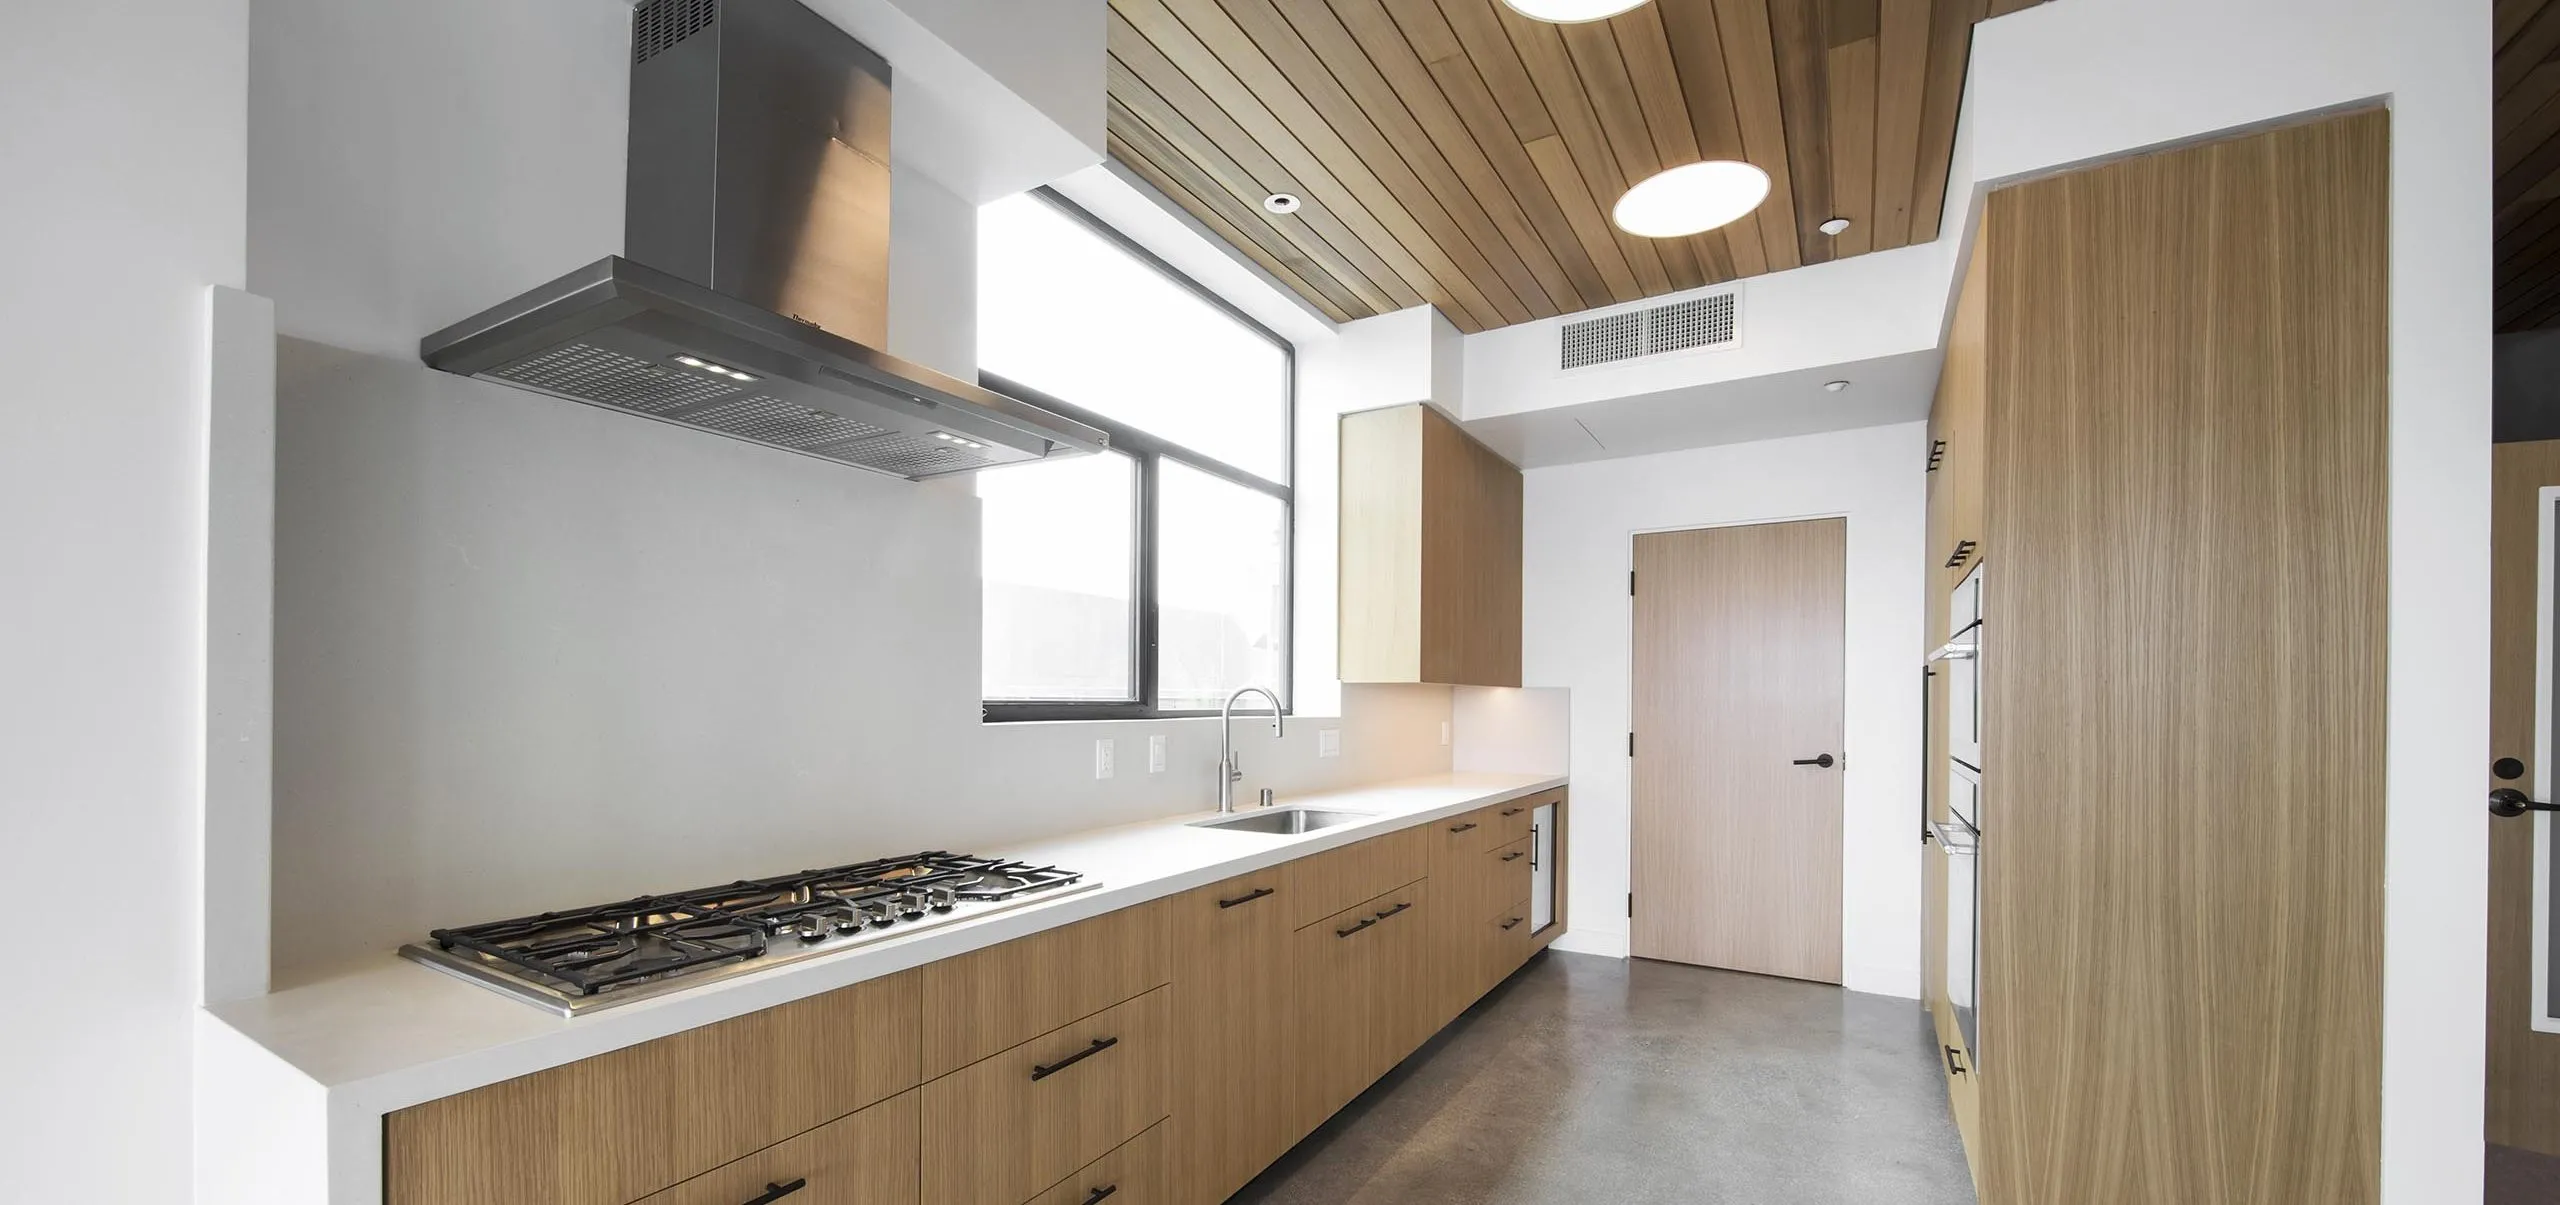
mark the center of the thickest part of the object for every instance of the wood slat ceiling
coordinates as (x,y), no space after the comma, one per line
(2526,76)
(1456,153)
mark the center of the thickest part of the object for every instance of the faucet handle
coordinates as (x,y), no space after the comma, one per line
(1235,769)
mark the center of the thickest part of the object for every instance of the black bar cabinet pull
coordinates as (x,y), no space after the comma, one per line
(1044,1071)
(1954,1067)
(1926,673)
(1101,1193)
(2509,803)
(1824,761)
(1506,925)
(1513,811)
(1398,908)
(1364,923)
(1247,898)
(775,1192)
(1463,827)
(1514,855)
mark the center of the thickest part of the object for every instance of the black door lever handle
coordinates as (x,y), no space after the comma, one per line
(1826,761)
(2509,802)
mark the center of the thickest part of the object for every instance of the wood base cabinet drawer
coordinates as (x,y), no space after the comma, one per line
(1000,1131)
(1511,820)
(991,1000)
(614,1128)
(1511,944)
(1332,881)
(1135,1174)
(1507,878)
(866,1159)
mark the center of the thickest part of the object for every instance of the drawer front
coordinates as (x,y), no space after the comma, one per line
(997,998)
(1507,875)
(615,1128)
(1135,1174)
(866,1159)
(1511,821)
(1330,882)
(1000,1131)
(1511,944)
(1459,838)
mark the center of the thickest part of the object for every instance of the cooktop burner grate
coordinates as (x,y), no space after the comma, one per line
(579,958)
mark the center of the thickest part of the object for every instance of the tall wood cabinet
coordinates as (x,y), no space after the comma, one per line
(1430,588)
(2164,414)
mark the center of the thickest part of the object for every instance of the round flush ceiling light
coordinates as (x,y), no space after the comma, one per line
(1835,386)
(1566,12)
(1835,227)
(1281,202)
(1692,198)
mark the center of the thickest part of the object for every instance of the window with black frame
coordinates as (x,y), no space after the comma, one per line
(1152,579)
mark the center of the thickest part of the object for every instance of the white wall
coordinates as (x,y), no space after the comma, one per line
(2063,83)
(532,653)
(122,208)
(1578,548)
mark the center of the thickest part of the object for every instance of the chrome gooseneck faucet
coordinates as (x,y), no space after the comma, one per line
(1228,771)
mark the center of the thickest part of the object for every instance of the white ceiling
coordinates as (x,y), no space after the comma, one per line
(1891,389)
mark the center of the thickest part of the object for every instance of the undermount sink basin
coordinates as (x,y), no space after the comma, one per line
(1288,821)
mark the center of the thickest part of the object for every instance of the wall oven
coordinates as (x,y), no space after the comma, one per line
(1961,833)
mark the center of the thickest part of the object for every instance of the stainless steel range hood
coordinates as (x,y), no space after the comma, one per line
(754,294)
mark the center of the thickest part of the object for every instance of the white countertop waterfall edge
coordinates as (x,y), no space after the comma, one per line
(291,1087)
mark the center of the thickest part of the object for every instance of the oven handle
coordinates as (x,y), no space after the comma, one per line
(1960,840)
(1927,672)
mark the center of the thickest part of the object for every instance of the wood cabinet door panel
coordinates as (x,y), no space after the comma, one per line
(980,1003)
(619,1126)
(1234,1037)
(1001,1130)
(866,1159)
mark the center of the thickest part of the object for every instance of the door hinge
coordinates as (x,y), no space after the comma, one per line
(1631,583)
(1631,905)
(1631,744)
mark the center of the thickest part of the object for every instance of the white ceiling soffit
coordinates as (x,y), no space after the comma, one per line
(1891,389)
(1146,217)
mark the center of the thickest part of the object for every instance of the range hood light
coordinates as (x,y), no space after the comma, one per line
(948,437)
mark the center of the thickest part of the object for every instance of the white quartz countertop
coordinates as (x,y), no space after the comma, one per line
(395,1034)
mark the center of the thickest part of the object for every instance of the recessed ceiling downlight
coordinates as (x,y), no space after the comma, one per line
(1691,198)
(1566,12)
(1281,202)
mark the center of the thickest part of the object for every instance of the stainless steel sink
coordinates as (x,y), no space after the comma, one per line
(1285,821)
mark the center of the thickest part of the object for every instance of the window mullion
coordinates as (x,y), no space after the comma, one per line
(1144,591)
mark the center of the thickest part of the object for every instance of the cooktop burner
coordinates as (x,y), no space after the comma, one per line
(588,958)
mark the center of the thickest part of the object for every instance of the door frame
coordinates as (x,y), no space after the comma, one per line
(2546,530)
(1848,766)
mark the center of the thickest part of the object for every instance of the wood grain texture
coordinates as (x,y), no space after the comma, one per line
(1457,862)
(979,1003)
(869,1158)
(993,1135)
(1360,1001)
(2526,157)
(1234,1041)
(2185,674)
(1323,884)
(1739,648)
(1471,499)
(1138,1173)
(1456,153)
(688,1103)
(1379,592)
(1961,464)
(1430,553)
(2523,1066)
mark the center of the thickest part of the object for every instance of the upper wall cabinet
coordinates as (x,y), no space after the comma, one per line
(1430,553)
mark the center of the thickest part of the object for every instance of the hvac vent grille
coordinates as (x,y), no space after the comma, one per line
(661,24)
(905,455)
(1698,322)
(594,374)
(1680,326)
(772,420)
(1601,340)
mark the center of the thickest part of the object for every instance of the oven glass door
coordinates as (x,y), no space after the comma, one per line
(1963,658)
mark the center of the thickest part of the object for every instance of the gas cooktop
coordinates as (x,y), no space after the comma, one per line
(585,959)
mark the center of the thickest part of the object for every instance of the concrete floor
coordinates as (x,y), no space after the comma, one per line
(1612,1082)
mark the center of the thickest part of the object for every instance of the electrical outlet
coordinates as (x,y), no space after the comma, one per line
(1102,757)
(1444,732)
(1155,754)
(1328,742)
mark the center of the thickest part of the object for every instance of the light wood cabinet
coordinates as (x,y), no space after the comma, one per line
(1957,418)
(866,1159)
(1361,1001)
(1235,1038)
(978,1004)
(614,1128)
(1139,1173)
(1000,1130)
(1329,882)
(1430,548)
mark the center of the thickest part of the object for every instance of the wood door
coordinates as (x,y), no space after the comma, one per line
(1738,664)
(2524,1065)
(1234,1039)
